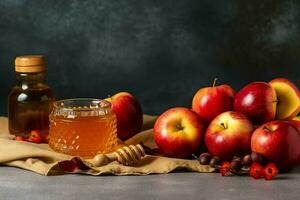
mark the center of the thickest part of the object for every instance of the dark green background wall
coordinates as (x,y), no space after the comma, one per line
(160,50)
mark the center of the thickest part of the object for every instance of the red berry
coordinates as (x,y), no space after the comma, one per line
(45,138)
(236,158)
(236,166)
(270,171)
(214,162)
(225,169)
(69,165)
(36,140)
(256,170)
(20,138)
(34,133)
(247,160)
(256,157)
(205,158)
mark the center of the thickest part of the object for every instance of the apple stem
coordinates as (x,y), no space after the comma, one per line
(196,157)
(266,128)
(215,81)
(223,125)
(179,127)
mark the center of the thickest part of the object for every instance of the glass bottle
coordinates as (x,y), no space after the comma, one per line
(30,101)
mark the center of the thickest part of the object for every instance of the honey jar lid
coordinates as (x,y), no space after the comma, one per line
(30,64)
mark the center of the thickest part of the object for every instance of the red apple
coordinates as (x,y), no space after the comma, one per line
(209,102)
(229,135)
(279,142)
(288,96)
(257,101)
(178,132)
(129,114)
(296,122)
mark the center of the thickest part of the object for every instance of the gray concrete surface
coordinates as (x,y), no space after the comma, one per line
(21,184)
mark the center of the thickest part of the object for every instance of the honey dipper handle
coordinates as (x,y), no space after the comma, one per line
(127,155)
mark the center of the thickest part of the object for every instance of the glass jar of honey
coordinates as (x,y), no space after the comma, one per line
(30,101)
(83,127)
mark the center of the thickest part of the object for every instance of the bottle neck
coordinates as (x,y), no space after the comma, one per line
(30,78)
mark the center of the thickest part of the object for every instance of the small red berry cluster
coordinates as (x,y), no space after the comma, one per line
(258,171)
(73,166)
(35,136)
(253,165)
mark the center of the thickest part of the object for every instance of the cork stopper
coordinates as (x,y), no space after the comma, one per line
(30,64)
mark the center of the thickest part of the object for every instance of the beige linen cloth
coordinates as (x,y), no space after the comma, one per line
(41,159)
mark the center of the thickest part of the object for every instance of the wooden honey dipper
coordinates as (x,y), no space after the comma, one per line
(126,155)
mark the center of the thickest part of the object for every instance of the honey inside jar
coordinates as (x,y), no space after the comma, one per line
(30,100)
(82,127)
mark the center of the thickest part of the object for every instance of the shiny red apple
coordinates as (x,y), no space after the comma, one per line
(296,122)
(178,132)
(209,102)
(257,101)
(229,135)
(129,114)
(279,142)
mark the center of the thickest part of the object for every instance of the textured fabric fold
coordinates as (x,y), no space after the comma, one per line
(41,159)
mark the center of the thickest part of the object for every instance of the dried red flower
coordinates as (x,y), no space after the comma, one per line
(225,169)
(270,171)
(256,170)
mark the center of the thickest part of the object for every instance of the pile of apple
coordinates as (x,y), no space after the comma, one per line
(260,119)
